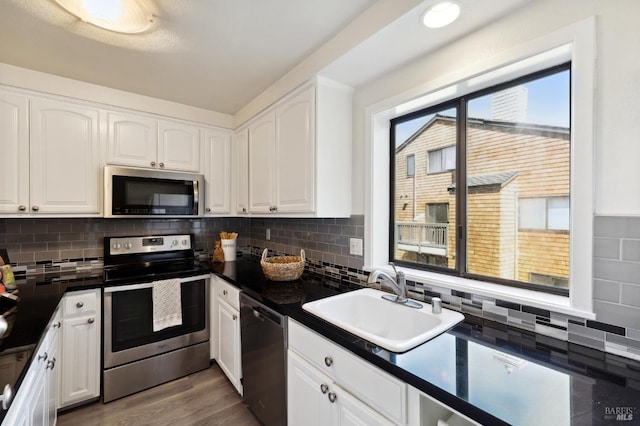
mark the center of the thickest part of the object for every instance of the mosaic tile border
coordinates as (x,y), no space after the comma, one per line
(590,334)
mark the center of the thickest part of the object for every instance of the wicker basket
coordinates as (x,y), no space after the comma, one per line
(282,268)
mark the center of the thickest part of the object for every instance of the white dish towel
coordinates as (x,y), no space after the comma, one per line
(167,304)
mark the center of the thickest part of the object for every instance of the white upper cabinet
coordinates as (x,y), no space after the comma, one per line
(241,162)
(65,158)
(295,148)
(132,140)
(178,146)
(300,154)
(217,171)
(261,164)
(140,140)
(14,145)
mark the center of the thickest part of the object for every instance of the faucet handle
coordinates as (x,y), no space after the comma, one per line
(395,271)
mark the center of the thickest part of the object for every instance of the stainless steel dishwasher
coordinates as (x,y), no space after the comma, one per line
(264,364)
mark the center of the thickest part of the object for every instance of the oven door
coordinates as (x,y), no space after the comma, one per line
(128,321)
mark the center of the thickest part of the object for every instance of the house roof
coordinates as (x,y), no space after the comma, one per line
(499,126)
(499,179)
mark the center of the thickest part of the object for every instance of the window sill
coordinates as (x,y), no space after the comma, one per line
(536,299)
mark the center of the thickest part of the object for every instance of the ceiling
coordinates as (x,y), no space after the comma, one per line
(221,54)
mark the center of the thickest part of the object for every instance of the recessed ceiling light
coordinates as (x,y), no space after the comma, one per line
(441,14)
(122,16)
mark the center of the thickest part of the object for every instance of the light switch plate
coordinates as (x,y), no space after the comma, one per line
(355,246)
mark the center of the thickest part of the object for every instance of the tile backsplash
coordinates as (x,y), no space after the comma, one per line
(35,245)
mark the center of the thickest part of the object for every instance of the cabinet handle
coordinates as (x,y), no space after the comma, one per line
(244,210)
(208,209)
(90,320)
(332,397)
(51,364)
(56,325)
(7,396)
(273,209)
(324,388)
(79,304)
(43,357)
(35,208)
(235,317)
(22,208)
(161,165)
(224,292)
(328,361)
(153,164)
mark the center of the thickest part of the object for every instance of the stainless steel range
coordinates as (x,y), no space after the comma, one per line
(156,312)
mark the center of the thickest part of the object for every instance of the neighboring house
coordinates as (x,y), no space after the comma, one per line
(518,199)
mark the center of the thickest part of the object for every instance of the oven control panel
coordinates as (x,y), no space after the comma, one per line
(149,244)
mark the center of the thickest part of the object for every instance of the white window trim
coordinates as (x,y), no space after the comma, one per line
(576,43)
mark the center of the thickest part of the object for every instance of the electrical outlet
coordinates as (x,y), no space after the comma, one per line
(268,234)
(355,246)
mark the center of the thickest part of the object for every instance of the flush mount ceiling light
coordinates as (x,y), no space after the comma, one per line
(441,14)
(122,16)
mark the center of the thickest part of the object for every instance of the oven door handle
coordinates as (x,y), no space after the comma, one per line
(129,287)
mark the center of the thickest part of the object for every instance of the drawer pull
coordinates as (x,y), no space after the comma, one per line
(90,320)
(56,325)
(43,357)
(235,317)
(328,361)
(224,292)
(7,396)
(51,364)
(332,397)
(79,305)
(324,388)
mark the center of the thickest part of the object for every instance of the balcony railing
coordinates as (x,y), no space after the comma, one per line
(422,237)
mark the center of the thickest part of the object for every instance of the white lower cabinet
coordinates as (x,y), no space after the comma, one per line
(427,411)
(315,399)
(330,384)
(35,403)
(80,352)
(226,331)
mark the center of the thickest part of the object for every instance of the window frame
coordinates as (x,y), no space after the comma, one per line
(575,42)
(413,157)
(461,194)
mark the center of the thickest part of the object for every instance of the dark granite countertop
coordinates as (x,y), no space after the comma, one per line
(492,373)
(29,317)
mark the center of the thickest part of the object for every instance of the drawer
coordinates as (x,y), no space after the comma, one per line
(81,302)
(228,292)
(375,387)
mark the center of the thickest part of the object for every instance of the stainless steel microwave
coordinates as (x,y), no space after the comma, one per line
(131,192)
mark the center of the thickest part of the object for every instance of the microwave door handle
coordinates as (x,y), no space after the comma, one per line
(196,197)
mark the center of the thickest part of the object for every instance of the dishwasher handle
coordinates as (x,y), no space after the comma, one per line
(261,313)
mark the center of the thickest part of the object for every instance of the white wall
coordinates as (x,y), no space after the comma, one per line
(617,117)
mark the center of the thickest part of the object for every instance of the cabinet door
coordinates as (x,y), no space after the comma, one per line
(38,405)
(80,374)
(307,394)
(217,172)
(14,146)
(132,140)
(295,137)
(241,162)
(179,146)
(52,378)
(229,342)
(65,166)
(261,164)
(353,412)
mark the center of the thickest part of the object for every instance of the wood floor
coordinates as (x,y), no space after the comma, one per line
(203,398)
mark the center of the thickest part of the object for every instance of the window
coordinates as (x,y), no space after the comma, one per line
(498,163)
(544,214)
(442,160)
(411,165)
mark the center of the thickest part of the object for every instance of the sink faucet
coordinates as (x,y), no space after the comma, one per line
(399,284)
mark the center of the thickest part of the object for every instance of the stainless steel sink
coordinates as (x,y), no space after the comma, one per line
(389,325)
